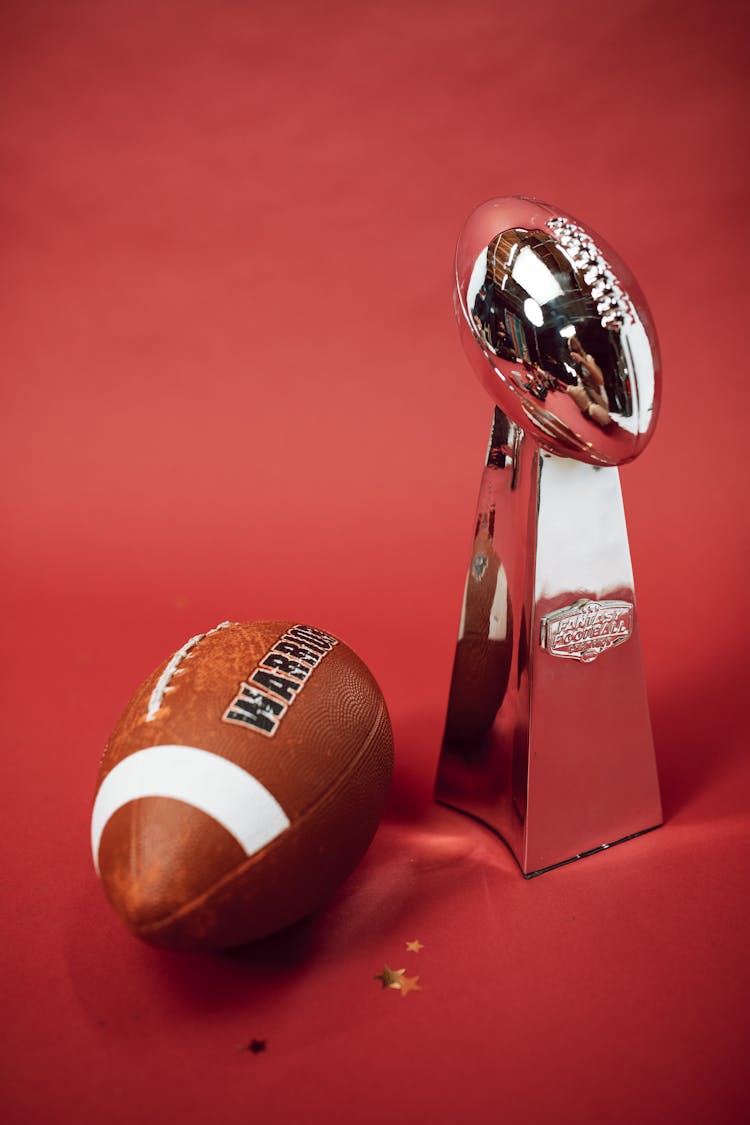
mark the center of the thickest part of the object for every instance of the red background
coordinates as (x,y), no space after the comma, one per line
(232,388)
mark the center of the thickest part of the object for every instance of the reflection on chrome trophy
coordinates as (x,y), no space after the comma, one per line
(547,738)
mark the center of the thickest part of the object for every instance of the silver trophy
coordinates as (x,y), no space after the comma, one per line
(548,739)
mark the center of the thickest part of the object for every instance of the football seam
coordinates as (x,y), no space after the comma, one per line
(238,872)
(172,668)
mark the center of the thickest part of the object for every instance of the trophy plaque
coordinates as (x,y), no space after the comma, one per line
(547,737)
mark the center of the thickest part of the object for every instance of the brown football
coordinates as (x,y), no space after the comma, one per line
(241,785)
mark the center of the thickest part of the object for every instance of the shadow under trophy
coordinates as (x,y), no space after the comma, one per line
(548,738)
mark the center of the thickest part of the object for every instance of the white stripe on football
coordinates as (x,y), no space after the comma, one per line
(218,787)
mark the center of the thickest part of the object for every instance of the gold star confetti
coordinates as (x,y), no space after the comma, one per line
(409,984)
(391,978)
(414,946)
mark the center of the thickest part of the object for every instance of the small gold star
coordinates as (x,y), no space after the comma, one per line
(391,978)
(414,946)
(409,984)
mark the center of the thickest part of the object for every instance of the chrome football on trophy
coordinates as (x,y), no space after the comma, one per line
(547,738)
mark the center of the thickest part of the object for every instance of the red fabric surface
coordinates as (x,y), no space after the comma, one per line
(232,388)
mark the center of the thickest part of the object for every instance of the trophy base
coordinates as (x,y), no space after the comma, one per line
(551,866)
(548,737)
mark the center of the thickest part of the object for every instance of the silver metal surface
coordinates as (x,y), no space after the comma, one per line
(558,331)
(548,738)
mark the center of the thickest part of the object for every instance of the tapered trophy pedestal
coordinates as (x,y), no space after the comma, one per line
(547,738)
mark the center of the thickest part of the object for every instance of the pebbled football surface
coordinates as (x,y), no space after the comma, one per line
(241,785)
